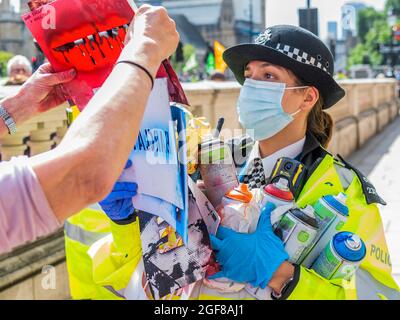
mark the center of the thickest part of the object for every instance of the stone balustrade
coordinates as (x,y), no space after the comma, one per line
(37,135)
(368,107)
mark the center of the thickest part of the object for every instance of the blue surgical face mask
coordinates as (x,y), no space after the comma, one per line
(260,108)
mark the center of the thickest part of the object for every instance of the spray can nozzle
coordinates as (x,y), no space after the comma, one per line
(342,198)
(282,184)
(214,136)
(221,122)
(309,211)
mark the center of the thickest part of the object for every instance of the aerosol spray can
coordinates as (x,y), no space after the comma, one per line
(238,211)
(217,168)
(341,257)
(277,193)
(297,229)
(332,214)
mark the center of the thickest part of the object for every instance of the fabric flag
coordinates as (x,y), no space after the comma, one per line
(191,64)
(210,62)
(220,64)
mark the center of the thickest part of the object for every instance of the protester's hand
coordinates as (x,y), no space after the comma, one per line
(152,37)
(250,258)
(42,91)
(118,204)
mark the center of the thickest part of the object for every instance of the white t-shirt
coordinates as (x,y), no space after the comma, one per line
(25,213)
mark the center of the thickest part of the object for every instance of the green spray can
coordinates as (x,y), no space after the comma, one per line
(331,213)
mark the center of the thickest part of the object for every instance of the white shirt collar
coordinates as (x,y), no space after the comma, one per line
(292,151)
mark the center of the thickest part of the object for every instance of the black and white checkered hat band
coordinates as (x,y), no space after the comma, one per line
(302,56)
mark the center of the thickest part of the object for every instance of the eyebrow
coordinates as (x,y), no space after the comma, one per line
(267,64)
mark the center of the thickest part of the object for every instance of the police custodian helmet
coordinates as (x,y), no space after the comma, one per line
(296,49)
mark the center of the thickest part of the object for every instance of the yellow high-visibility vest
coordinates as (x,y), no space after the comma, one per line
(116,257)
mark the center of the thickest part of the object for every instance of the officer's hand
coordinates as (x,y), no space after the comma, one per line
(118,204)
(251,258)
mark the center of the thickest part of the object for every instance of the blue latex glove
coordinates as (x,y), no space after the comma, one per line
(118,204)
(251,258)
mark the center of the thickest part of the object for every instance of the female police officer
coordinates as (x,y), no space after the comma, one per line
(287,83)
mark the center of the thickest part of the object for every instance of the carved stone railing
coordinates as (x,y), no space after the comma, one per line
(368,107)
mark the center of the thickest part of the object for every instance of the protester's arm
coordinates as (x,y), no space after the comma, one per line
(40,93)
(92,155)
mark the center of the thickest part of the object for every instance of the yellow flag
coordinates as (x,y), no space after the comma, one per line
(220,64)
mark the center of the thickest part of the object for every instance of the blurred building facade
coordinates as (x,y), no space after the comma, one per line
(349,23)
(350,11)
(14,36)
(332,30)
(227,21)
(332,39)
(349,33)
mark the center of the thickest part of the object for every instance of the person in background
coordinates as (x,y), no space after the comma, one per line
(19,69)
(217,76)
(341,75)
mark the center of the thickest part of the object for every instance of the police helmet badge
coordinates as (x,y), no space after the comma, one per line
(264,37)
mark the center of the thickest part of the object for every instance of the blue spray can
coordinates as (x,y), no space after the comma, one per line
(341,257)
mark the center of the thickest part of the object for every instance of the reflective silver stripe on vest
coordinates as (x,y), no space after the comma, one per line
(369,289)
(96,207)
(346,176)
(115,292)
(85,237)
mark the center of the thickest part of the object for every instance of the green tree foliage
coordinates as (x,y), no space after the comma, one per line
(374,31)
(366,20)
(4,57)
(188,50)
(392,4)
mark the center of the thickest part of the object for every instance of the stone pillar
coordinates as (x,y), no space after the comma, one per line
(60,133)
(12,146)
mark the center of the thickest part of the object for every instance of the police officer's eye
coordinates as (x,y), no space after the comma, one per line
(269,76)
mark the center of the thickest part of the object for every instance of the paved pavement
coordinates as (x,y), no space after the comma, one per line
(379,159)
